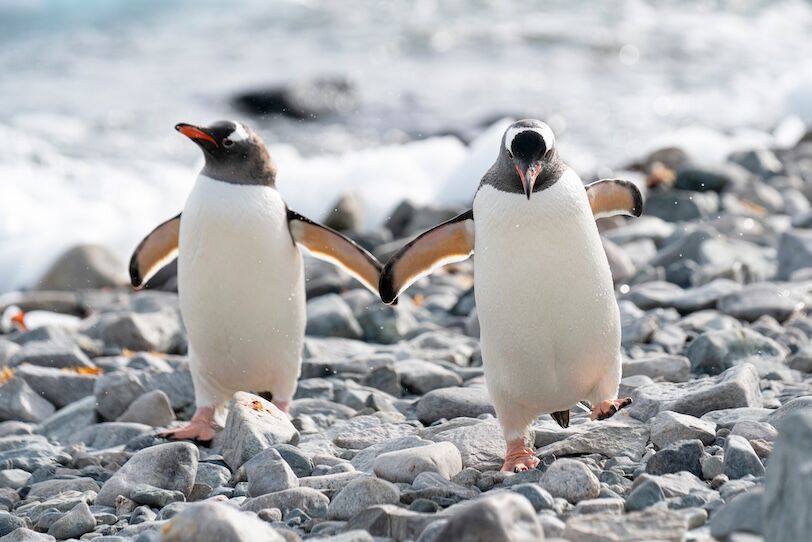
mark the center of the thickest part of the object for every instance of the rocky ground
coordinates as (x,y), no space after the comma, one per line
(392,434)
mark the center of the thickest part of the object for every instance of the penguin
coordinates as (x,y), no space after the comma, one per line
(241,281)
(549,321)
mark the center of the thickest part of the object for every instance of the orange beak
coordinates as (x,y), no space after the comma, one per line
(195,133)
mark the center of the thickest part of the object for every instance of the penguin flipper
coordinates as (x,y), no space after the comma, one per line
(329,245)
(452,241)
(157,249)
(610,197)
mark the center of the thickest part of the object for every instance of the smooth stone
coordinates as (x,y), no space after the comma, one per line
(797,404)
(644,495)
(741,514)
(313,502)
(65,423)
(681,205)
(610,438)
(73,524)
(504,517)
(683,455)
(217,522)
(666,367)
(654,524)
(788,488)
(741,459)
(794,252)
(83,267)
(18,402)
(300,462)
(480,443)
(386,324)
(468,402)
(404,465)
(13,478)
(390,521)
(26,535)
(152,408)
(754,430)
(420,377)
(600,505)
(303,99)
(253,424)
(539,497)
(51,488)
(706,296)
(680,484)
(10,523)
(728,417)
(669,427)
(58,355)
(59,387)
(432,485)
(756,300)
(154,496)
(361,432)
(267,472)
(330,316)
(152,331)
(109,434)
(116,391)
(364,460)
(570,480)
(715,351)
(15,428)
(171,466)
(360,494)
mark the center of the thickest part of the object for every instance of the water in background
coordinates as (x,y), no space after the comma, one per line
(90,90)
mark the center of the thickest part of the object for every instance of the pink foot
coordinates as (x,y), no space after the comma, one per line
(199,428)
(284,406)
(518,457)
(608,408)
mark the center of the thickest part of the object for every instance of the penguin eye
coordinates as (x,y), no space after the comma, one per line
(227,143)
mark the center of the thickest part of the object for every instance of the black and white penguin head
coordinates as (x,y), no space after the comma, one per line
(527,147)
(234,153)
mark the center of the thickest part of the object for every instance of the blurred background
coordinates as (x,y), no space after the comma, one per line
(388,100)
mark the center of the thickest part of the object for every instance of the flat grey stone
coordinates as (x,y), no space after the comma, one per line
(253,424)
(58,386)
(756,300)
(153,331)
(799,404)
(70,420)
(330,316)
(364,460)
(85,266)
(662,524)
(171,466)
(683,455)
(73,524)
(794,252)
(18,402)
(313,502)
(50,488)
(644,495)
(360,494)
(504,517)
(741,459)
(217,522)
(610,438)
(404,465)
(267,472)
(152,408)
(468,402)
(570,480)
(480,443)
(715,351)
(420,377)
(109,434)
(741,514)
(154,496)
(728,417)
(539,497)
(10,523)
(666,367)
(391,521)
(669,427)
(50,354)
(27,535)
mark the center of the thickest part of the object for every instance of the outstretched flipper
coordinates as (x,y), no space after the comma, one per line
(610,197)
(327,244)
(156,250)
(452,241)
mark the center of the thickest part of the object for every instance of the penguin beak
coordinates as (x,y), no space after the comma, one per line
(198,135)
(528,174)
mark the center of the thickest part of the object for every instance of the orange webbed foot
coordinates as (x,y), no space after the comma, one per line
(519,458)
(610,407)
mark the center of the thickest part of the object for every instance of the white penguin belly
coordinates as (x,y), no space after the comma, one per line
(241,288)
(550,325)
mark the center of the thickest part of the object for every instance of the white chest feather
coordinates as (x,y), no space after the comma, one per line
(241,282)
(549,320)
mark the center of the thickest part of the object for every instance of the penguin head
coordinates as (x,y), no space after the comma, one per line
(527,146)
(234,153)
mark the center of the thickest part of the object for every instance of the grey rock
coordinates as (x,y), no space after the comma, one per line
(681,205)
(154,496)
(67,422)
(84,267)
(7,351)
(156,331)
(621,264)
(480,443)
(217,522)
(712,467)
(115,391)
(705,296)
(304,99)
(715,351)
(301,464)
(601,505)
(27,535)
(13,478)
(29,452)
(741,459)
(504,517)
(360,494)
(670,427)
(15,428)
(570,480)
(404,465)
(654,524)
(777,417)
(59,387)
(73,524)
(51,488)
(651,295)
(680,484)
(754,430)
(313,502)
(644,495)
(539,497)
(171,466)
(794,252)
(363,431)
(421,377)
(330,316)
(683,455)
(19,402)
(153,408)
(391,521)
(51,354)
(666,367)
(741,514)
(432,485)
(267,472)
(386,324)
(788,487)
(253,424)
(611,438)
(9,523)
(454,403)
(728,417)
(364,460)
(756,300)
(705,179)
(212,474)
(346,214)
(107,435)
(736,387)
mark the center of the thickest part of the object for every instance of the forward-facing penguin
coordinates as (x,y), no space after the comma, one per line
(550,325)
(240,273)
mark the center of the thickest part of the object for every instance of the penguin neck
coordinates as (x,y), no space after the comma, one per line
(503,176)
(245,172)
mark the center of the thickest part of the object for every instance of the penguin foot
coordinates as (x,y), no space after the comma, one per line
(518,457)
(608,408)
(200,428)
(284,406)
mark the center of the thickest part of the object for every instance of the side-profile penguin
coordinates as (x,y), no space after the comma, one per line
(240,273)
(550,324)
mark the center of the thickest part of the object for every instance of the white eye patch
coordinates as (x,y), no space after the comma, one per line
(239,133)
(543,130)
